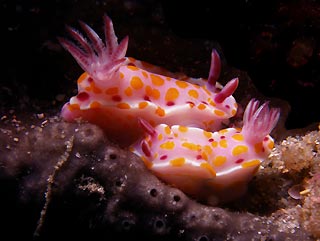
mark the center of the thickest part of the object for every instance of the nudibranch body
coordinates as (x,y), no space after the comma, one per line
(115,91)
(209,166)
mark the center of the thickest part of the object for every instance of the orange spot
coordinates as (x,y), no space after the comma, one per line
(252,163)
(88,88)
(167,130)
(131,67)
(169,145)
(156,80)
(172,94)
(160,112)
(238,137)
(148,90)
(136,83)
(239,150)
(143,105)
(191,146)
(211,102)
(223,131)
(121,75)
(183,128)
(204,156)
(208,167)
(233,112)
(93,88)
(96,89)
(271,145)
(219,161)
(223,143)
(152,92)
(82,77)
(147,163)
(206,90)
(182,84)
(160,137)
(168,78)
(207,134)
(112,91)
(201,106)
(128,91)
(193,93)
(144,73)
(178,162)
(258,147)
(207,149)
(191,104)
(210,122)
(73,107)
(218,112)
(214,144)
(95,105)
(123,105)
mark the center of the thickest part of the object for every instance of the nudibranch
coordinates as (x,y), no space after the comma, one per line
(115,91)
(210,166)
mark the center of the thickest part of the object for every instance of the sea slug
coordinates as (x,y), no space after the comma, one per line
(213,167)
(115,91)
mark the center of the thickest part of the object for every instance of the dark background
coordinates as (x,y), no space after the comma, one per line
(275,42)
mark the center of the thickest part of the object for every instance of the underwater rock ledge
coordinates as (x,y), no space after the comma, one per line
(95,189)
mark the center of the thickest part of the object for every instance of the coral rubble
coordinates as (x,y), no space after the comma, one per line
(299,156)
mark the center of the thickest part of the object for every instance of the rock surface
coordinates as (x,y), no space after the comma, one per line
(92,187)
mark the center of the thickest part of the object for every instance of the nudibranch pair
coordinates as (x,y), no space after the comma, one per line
(182,118)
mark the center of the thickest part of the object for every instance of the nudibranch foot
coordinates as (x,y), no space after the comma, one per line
(209,165)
